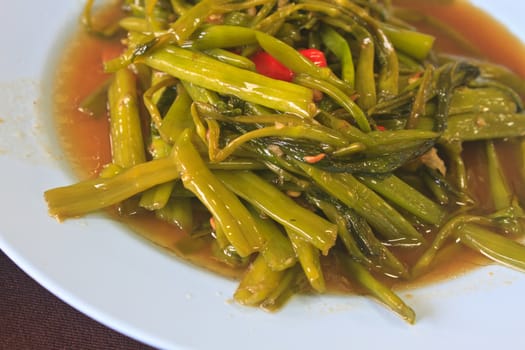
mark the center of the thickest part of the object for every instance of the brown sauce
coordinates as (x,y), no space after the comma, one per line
(488,38)
(86,143)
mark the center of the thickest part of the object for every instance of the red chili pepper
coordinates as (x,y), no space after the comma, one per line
(380,128)
(315,158)
(267,65)
(316,56)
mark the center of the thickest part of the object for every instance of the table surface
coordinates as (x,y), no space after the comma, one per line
(33,318)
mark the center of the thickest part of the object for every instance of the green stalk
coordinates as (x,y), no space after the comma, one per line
(178,117)
(193,17)
(231,58)
(339,46)
(360,241)
(379,214)
(281,208)
(413,43)
(452,227)
(286,289)
(224,36)
(294,132)
(475,127)
(499,188)
(494,246)
(95,194)
(158,196)
(365,75)
(384,294)
(258,283)
(227,210)
(277,251)
(403,195)
(421,98)
(127,145)
(207,72)
(308,256)
(178,212)
(338,95)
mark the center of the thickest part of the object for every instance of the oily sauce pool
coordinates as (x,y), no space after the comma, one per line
(85,139)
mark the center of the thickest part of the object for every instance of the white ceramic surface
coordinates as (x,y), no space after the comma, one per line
(122,281)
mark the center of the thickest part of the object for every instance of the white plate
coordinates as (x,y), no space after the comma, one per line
(104,271)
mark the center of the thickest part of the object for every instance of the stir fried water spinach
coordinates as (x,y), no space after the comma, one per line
(307,129)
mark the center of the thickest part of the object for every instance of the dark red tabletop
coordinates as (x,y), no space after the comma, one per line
(33,318)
